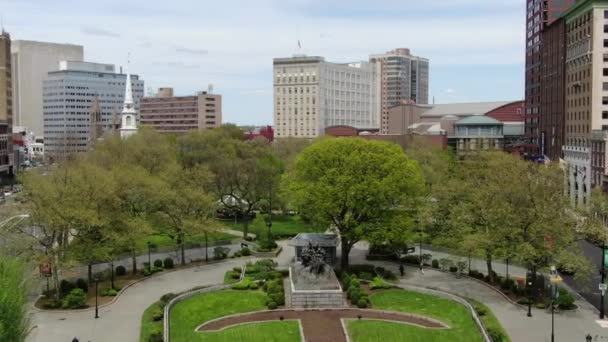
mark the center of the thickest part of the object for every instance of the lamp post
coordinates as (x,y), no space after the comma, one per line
(530,296)
(149,257)
(96,297)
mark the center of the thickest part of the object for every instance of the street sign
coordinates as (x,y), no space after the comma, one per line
(603,287)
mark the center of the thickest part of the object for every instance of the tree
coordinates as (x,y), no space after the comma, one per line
(14,322)
(353,185)
(244,172)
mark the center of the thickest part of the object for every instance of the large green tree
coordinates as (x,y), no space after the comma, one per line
(354,186)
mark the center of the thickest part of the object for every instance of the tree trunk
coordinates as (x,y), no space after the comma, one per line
(112,275)
(245,226)
(346,247)
(489,264)
(206,248)
(55,278)
(90,273)
(183,250)
(134,260)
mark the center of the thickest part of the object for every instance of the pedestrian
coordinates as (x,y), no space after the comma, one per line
(75,340)
(401,270)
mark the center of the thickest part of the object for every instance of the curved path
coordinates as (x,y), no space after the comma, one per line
(321,325)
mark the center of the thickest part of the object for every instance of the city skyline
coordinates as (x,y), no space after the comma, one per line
(471,44)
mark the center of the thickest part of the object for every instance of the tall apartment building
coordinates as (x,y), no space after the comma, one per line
(586,104)
(32,61)
(6,108)
(402,77)
(311,94)
(539,14)
(181,114)
(72,93)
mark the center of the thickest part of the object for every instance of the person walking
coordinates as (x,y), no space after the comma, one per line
(401,270)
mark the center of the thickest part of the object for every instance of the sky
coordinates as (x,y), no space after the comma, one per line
(475,47)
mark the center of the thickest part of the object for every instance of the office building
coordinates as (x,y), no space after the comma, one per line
(539,14)
(181,114)
(72,93)
(403,78)
(32,61)
(311,94)
(6,108)
(586,89)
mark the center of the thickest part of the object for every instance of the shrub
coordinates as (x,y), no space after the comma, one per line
(121,270)
(366,276)
(453,269)
(358,269)
(76,299)
(146,272)
(52,304)
(386,274)
(278,297)
(435,263)
(496,335)
(523,301)
(65,286)
(272,305)
(158,263)
(109,292)
(156,269)
(565,301)
(253,286)
(362,303)
(354,295)
(426,258)
(220,253)
(445,263)
(245,251)
(237,269)
(411,259)
(168,263)
(267,245)
(166,298)
(156,335)
(82,284)
(481,311)
(235,275)
(157,315)
(378,283)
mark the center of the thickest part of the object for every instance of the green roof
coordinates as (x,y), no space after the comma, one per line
(580,7)
(479,120)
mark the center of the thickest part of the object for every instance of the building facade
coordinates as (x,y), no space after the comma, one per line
(402,78)
(586,105)
(181,114)
(32,61)
(6,108)
(311,94)
(552,91)
(68,97)
(539,14)
(477,133)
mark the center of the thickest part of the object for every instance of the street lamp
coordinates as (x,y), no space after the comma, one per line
(149,257)
(96,297)
(530,297)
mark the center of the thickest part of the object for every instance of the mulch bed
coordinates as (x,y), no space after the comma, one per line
(320,325)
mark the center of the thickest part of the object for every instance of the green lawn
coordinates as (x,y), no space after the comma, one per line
(463,327)
(281,225)
(162,241)
(187,315)
(489,320)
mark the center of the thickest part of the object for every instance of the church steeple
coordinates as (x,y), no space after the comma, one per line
(128,125)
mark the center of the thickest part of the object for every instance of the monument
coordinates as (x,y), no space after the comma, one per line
(312,281)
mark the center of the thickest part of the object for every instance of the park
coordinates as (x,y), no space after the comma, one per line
(211,237)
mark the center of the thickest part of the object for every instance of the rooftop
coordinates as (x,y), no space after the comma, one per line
(463,109)
(323,240)
(479,120)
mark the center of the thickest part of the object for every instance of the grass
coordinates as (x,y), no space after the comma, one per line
(282,225)
(463,327)
(148,326)
(189,314)
(489,320)
(228,280)
(162,241)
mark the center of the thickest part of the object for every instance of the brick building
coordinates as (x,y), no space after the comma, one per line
(181,114)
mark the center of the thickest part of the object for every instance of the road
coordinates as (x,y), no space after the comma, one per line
(589,288)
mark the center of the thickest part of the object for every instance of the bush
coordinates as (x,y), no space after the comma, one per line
(411,259)
(435,263)
(481,311)
(109,292)
(278,297)
(445,263)
(52,304)
(121,270)
(565,301)
(496,335)
(156,335)
(523,301)
(267,245)
(235,275)
(158,263)
(146,272)
(168,263)
(366,276)
(358,269)
(378,283)
(426,258)
(76,299)
(362,303)
(272,305)
(453,269)
(253,286)
(157,315)
(166,298)
(386,274)
(156,269)
(82,284)
(245,251)
(65,287)
(237,269)
(354,295)
(220,253)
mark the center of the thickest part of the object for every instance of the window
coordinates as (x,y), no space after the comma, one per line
(605,115)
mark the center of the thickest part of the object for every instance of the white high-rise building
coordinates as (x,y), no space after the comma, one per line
(69,95)
(311,94)
(31,62)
